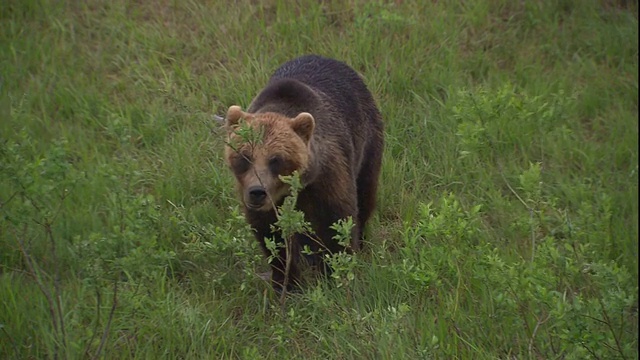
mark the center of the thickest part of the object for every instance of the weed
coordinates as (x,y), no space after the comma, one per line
(507,218)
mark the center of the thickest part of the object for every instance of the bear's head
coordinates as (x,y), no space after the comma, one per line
(263,146)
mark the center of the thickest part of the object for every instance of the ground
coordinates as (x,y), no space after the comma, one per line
(506,225)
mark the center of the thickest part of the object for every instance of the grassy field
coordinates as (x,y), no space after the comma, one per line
(507,221)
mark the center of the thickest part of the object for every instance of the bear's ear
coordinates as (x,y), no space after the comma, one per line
(303,125)
(234,114)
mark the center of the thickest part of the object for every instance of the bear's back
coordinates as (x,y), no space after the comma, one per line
(333,78)
(311,82)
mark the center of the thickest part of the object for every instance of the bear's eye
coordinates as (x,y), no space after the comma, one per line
(241,163)
(276,164)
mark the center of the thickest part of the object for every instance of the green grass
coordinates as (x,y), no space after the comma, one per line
(507,222)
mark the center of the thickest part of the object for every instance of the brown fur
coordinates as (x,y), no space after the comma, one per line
(317,117)
(284,137)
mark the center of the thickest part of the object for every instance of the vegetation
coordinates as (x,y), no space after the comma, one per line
(507,222)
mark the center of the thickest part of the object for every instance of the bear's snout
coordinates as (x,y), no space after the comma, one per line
(257,196)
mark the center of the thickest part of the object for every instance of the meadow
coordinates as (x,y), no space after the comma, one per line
(507,218)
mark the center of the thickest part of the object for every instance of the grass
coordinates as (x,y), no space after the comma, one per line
(507,222)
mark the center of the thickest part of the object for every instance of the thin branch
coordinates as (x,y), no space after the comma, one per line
(589,350)
(514,192)
(535,331)
(4,203)
(287,268)
(613,333)
(13,343)
(531,211)
(620,334)
(114,304)
(553,348)
(219,119)
(56,284)
(43,289)
(97,324)
(595,319)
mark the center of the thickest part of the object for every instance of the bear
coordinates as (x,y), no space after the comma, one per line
(317,117)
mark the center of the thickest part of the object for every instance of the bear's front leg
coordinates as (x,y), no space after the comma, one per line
(262,226)
(284,268)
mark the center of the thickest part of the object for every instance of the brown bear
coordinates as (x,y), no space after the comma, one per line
(315,116)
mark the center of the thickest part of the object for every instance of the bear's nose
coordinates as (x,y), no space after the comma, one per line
(257,194)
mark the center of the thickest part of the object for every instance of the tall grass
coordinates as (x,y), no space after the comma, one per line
(507,221)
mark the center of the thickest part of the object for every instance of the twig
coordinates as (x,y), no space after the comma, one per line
(13,343)
(287,269)
(531,211)
(613,333)
(535,331)
(56,284)
(553,348)
(43,289)
(105,334)
(218,119)
(589,350)
(521,310)
(4,203)
(95,327)
(621,324)
(595,319)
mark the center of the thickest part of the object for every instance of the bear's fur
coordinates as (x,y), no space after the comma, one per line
(316,116)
